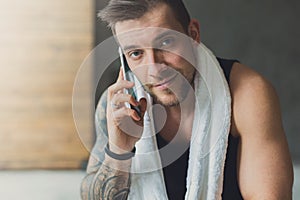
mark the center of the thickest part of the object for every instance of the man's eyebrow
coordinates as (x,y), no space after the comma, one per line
(162,35)
(158,37)
(126,48)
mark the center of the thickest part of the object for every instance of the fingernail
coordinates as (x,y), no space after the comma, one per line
(137,117)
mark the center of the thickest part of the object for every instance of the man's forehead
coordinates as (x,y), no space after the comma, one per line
(142,35)
(147,27)
(146,37)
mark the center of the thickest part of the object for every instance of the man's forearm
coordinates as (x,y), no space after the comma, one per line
(111,182)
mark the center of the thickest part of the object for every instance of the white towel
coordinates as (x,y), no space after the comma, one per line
(207,147)
(208,142)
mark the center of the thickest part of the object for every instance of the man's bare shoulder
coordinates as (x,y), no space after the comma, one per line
(253,97)
(264,163)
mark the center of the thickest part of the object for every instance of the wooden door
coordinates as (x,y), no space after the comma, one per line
(42,45)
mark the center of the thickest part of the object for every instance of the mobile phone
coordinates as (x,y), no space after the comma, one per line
(128,75)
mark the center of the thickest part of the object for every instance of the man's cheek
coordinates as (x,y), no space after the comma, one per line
(140,73)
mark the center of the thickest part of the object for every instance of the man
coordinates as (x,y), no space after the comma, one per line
(258,164)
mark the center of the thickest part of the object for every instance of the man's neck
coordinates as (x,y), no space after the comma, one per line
(179,120)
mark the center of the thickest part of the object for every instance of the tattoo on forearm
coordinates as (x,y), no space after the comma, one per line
(85,186)
(110,184)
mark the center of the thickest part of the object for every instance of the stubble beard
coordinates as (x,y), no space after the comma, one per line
(169,97)
(169,100)
(174,95)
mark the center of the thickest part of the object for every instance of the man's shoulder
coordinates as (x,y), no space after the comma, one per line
(264,166)
(253,96)
(246,81)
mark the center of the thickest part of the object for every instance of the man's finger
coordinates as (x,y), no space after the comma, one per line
(121,75)
(119,85)
(120,98)
(143,106)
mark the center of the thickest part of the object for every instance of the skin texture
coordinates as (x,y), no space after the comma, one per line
(264,169)
(264,164)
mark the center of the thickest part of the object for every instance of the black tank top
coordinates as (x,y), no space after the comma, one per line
(175,173)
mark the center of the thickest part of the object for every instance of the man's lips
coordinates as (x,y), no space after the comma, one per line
(165,83)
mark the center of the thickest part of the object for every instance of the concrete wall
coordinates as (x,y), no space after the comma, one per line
(261,34)
(264,35)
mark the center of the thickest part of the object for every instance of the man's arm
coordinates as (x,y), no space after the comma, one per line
(108,181)
(264,165)
(112,181)
(111,178)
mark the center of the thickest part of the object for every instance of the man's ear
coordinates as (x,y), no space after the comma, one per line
(194,30)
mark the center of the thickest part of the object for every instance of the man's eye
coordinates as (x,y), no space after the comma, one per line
(135,54)
(167,42)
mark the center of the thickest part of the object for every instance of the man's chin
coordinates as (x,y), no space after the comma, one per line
(166,97)
(170,103)
(167,100)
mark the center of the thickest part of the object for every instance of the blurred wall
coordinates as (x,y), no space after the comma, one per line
(261,34)
(265,36)
(42,45)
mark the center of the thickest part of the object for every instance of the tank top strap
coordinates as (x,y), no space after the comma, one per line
(226,65)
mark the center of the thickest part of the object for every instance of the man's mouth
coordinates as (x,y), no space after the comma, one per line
(164,84)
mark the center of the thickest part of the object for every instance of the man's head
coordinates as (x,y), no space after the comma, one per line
(122,10)
(158,47)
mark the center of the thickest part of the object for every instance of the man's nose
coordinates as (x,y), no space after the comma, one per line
(155,62)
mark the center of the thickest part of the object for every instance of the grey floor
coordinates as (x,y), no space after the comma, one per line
(40,185)
(59,185)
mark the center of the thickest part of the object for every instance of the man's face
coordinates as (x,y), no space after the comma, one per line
(157,49)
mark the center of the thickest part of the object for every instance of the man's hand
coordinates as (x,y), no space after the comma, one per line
(125,125)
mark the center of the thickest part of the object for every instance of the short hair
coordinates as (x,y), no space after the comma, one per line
(121,10)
